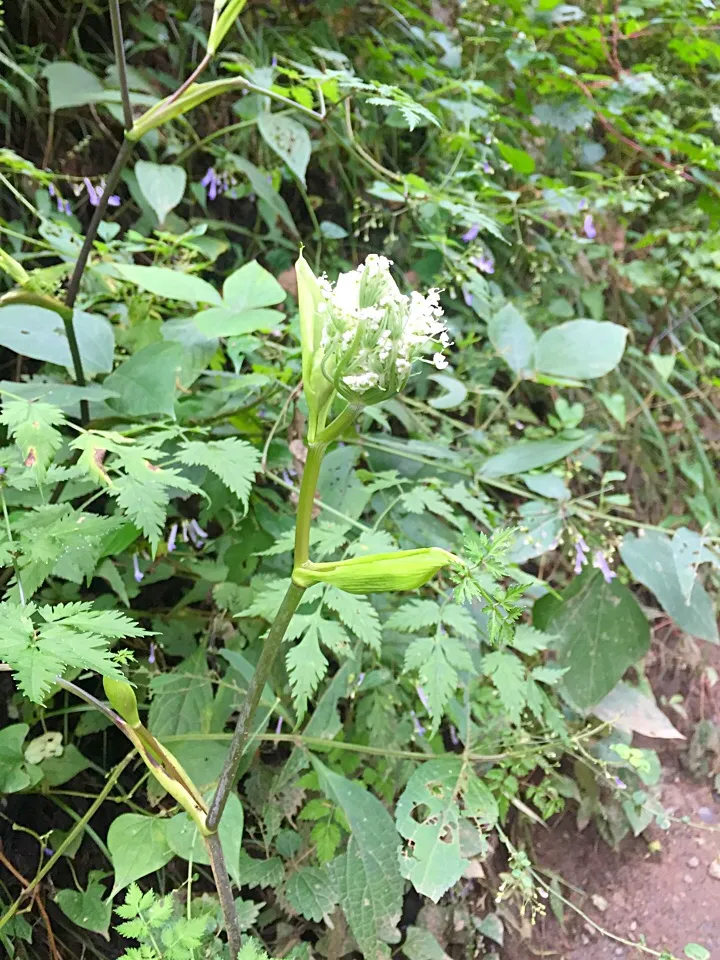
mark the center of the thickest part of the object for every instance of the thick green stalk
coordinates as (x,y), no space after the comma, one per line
(306,502)
(270,650)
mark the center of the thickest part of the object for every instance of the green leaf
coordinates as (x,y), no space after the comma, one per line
(72,635)
(289,139)
(601,631)
(326,837)
(437,660)
(146,382)
(694,951)
(170,284)
(508,676)
(455,392)
(367,876)
(87,908)
(162,185)
(310,892)
(529,455)
(182,701)
(252,287)
(40,334)
(138,846)
(233,460)
(260,873)
(439,796)
(414,616)
(519,160)
(58,770)
(580,349)
(70,85)
(185,839)
(32,426)
(14,773)
(512,338)
(358,615)
(626,708)
(306,666)
(420,944)
(651,560)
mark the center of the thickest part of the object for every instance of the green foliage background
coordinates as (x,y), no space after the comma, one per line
(553,169)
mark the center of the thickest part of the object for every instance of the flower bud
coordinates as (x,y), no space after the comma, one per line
(122,699)
(318,389)
(378,573)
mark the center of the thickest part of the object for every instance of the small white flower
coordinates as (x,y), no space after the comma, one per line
(440,361)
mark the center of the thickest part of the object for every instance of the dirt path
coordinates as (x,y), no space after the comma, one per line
(670,897)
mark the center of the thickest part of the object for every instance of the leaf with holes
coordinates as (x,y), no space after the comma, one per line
(289,139)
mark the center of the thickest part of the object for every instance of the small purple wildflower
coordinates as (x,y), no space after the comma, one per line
(172,537)
(273,62)
(198,530)
(137,572)
(620,784)
(48,851)
(467,297)
(212,182)
(581,552)
(278,725)
(422,696)
(582,204)
(589,227)
(487,167)
(2,471)
(95,194)
(63,206)
(601,564)
(471,233)
(419,728)
(361,677)
(483,263)
(151,654)
(454,739)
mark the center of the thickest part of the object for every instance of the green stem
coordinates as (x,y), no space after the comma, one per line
(242,732)
(306,502)
(119,49)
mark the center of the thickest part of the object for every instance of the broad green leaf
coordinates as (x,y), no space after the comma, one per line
(70,85)
(519,160)
(628,709)
(439,796)
(233,460)
(58,770)
(14,773)
(138,846)
(162,185)
(420,944)
(367,876)
(513,338)
(88,908)
(600,631)
(185,839)
(689,552)
(289,139)
(182,700)
(225,322)
(454,395)
(546,485)
(198,349)
(651,560)
(311,892)
(171,284)
(580,349)
(529,455)
(250,287)
(146,382)
(40,334)
(260,873)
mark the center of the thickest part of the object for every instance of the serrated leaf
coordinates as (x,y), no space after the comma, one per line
(367,876)
(310,892)
(358,615)
(437,660)
(145,504)
(306,666)
(508,676)
(260,873)
(33,427)
(414,616)
(233,460)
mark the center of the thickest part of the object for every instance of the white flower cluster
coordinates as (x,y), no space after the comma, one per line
(372,333)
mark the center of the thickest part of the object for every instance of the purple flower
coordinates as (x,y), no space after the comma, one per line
(620,784)
(471,233)
(422,696)
(151,655)
(62,205)
(172,537)
(589,227)
(419,728)
(483,263)
(48,851)
(487,167)
(95,194)
(582,204)
(212,182)
(273,62)
(600,563)
(467,297)
(278,725)
(2,471)
(361,677)
(581,552)
(137,572)
(454,739)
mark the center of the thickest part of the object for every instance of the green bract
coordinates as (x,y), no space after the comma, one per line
(378,573)
(318,390)
(122,699)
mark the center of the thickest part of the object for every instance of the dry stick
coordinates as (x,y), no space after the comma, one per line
(52,946)
(222,885)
